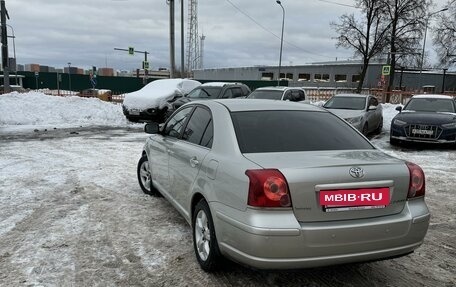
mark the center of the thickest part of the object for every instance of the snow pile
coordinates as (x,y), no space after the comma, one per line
(38,109)
(157,93)
(389,112)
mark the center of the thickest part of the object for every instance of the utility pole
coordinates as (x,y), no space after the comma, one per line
(5,64)
(171,39)
(182,40)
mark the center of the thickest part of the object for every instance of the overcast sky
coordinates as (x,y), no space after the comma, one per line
(85,32)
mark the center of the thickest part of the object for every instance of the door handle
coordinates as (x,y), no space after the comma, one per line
(194,162)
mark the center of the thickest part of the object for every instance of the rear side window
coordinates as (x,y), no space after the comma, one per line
(197,126)
(289,131)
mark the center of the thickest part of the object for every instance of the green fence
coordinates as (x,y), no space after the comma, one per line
(117,85)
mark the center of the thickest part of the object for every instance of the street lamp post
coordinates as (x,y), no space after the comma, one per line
(14,49)
(69,76)
(281,41)
(424,42)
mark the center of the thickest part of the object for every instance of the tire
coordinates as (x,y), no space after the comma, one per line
(365,130)
(145,178)
(394,142)
(380,127)
(204,240)
(133,120)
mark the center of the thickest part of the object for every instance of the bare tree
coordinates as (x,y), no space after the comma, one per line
(407,18)
(445,35)
(367,36)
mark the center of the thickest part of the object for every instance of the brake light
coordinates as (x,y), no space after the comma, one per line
(417,184)
(268,188)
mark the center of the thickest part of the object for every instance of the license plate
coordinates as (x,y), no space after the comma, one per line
(135,112)
(422,132)
(353,199)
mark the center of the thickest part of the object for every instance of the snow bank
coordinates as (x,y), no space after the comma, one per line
(38,109)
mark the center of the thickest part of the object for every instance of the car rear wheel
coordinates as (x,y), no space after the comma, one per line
(204,240)
(145,177)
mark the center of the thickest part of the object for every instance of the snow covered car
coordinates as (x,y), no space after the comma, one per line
(363,112)
(425,119)
(153,101)
(272,193)
(280,93)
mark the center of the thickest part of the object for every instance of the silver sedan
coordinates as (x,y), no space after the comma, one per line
(278,185)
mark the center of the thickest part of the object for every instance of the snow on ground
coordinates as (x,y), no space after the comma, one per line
(72,213)
(35,109)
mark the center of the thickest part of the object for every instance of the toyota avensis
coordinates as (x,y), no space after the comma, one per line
(278,185)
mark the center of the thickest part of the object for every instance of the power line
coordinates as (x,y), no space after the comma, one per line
(272,33)
(337,3)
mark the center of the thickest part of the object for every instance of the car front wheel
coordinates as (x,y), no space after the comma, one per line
(204,240)
(145,177)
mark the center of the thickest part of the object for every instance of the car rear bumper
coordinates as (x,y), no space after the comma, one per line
(323,243)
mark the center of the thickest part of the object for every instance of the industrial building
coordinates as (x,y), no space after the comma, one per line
(340,74)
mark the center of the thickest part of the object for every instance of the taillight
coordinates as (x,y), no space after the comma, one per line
(417,184)
(268,188)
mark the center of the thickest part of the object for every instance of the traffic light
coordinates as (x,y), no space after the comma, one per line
(131,51)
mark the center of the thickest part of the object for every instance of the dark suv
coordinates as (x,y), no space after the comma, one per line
(212,91)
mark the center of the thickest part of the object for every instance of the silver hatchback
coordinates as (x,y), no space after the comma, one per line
(278,185)
(362,111)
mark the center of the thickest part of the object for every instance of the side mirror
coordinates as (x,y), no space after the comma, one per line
(372,108)
(152,128)
(399,108)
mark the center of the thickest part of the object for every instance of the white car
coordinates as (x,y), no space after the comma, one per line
(153,100)
(280,93)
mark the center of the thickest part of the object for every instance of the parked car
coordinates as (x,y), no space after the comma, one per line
(362,111)
(280,93)
(211,91)
(426,119)
(152,102)
(305,192)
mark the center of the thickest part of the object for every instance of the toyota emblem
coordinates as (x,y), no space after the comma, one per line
(356,172)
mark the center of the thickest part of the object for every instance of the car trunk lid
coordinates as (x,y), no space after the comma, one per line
(310,173)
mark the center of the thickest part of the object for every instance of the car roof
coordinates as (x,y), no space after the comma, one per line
(352,95)
(219,84)
(240,105)
(277,88)
(431,96)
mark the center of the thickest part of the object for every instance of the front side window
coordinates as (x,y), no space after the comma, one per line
(346,103)
(227,94)
(291,131)
(197,126)
(175,124)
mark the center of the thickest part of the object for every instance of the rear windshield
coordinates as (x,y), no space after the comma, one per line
(346,103)
(265,94)
(430,105)
(205,92)
(289,131)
